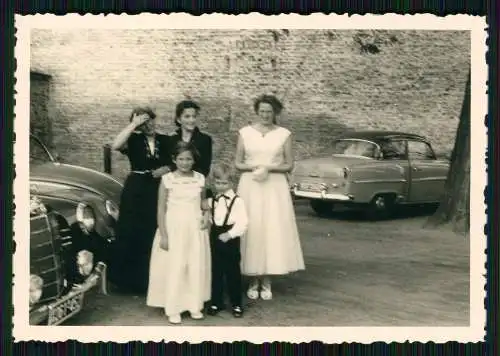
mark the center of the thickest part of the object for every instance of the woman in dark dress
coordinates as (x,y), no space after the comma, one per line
(186,113)
(148,154)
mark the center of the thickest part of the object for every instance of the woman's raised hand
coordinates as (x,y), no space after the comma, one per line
(139,119)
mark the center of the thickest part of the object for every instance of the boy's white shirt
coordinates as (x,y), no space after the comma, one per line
(238,215)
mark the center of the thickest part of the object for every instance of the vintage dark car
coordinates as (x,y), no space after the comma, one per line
(374,170)
(64,266)
(85,197)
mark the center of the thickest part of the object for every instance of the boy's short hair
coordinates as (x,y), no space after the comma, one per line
(221,171)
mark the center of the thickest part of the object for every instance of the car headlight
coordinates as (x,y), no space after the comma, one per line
(36,288)
(85,262)
(112,209)
(86,217)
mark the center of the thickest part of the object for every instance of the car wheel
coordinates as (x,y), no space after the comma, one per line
(321,208)
(381,207)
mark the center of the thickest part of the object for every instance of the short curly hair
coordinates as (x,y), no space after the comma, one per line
(271,100)
(140,110)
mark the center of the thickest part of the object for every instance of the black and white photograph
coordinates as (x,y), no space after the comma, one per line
(313,177)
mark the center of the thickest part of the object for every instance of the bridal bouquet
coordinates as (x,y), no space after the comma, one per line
(260,174)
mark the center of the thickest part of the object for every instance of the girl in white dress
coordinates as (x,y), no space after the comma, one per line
(271,245)
(179,277)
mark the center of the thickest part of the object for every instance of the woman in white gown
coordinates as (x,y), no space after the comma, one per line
(264,155)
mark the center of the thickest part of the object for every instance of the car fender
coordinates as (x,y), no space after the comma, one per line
(66,206)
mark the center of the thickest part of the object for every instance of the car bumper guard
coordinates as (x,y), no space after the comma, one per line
(71,303)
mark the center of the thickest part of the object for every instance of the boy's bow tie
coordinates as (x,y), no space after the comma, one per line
(221,196)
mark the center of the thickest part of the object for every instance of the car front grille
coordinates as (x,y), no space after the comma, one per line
(45,255)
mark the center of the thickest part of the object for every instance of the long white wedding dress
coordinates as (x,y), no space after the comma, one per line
(271,245)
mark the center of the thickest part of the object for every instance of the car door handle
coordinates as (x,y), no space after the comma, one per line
(416,169)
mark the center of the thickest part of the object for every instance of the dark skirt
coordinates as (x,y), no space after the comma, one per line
(137,224)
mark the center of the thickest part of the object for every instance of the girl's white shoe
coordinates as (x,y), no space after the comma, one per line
(174,319)
(253,290)
(196,315)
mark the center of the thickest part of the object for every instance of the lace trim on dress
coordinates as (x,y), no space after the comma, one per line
(156,151)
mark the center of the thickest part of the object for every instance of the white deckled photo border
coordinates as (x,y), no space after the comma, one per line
(475,332)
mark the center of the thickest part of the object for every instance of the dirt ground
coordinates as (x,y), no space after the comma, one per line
(358,273)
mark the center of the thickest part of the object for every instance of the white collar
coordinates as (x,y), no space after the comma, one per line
(228,193)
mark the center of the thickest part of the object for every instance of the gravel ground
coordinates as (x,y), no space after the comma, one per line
(358,273)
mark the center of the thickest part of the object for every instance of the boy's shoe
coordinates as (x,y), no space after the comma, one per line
(196,315)
(213,310)
(174,319)
(237,311)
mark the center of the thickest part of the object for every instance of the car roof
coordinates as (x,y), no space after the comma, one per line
(378,135)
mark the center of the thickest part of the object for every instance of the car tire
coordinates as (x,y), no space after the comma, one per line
(380,207)
(321,208)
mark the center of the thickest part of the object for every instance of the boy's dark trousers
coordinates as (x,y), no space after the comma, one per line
(226,258)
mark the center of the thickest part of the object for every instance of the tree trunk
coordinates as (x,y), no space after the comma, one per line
(454,206)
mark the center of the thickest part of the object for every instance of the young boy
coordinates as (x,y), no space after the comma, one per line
(228,222)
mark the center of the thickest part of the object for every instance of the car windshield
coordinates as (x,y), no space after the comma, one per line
(354,147)
(38,153)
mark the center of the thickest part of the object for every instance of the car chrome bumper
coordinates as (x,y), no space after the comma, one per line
(322,195)
(48,313)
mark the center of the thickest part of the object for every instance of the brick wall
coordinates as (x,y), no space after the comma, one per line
(40,124)
(328,80)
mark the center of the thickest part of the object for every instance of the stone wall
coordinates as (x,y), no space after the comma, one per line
(40,124)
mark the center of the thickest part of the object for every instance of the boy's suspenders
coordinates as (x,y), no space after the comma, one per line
(228,212)
(229,209)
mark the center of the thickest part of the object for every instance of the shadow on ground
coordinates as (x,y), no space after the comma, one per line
(351,214)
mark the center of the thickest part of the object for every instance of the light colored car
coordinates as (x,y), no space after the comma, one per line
(375,170)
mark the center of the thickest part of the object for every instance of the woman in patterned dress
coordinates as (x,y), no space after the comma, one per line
(148,154)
